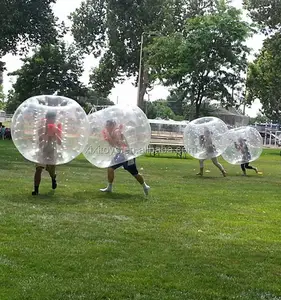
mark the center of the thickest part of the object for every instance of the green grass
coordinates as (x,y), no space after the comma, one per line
(192,238)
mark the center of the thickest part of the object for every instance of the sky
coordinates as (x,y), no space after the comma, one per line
(124,93)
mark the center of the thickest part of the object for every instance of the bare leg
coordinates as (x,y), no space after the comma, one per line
(218,165)
(201,164)
(110,175)
(131,167)
(141,181)
(110,178)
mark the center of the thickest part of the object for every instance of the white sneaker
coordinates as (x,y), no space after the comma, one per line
(107,189)
(146,189)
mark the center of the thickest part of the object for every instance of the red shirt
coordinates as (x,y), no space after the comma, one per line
(115,137)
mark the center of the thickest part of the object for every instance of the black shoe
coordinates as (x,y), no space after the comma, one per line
(54,183)
(34,193)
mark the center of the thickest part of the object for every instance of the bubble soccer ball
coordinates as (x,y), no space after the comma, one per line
(245,145)
(206,137)
(117,134)
(50,129)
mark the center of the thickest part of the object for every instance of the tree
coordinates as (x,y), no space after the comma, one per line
(52,68)
(2,98)
(25,22)
(264,77)
(159,109)
(207,109)
(206,60)
(267,13)
(93,98)
(13,102)
(176,102)
(113,29)
(259,119)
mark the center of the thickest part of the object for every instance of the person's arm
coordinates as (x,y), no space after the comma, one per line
(59,134)
(237,146)
(108,138)
(124,142)
(116,139)
(42,132)
(201,141)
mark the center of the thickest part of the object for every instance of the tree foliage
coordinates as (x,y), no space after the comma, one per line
(52,68)
(267,13)
(260,118)
(93,98)
(264,77)
(205,61)
(25,21)
(176,102)
(112,30)
(159,109)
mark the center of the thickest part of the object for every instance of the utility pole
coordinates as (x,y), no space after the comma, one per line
(140,71)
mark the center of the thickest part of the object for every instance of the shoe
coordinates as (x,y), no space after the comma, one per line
(34,193)
(256,170)
(107,190)
(54,183)
(146,189)
(199,174)
(224,173)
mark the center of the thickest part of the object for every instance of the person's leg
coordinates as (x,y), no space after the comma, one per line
(247,166)
(110,179)
(51,169)
(218,165)
(37,179)
(243,169)
(201,164)
(131,167)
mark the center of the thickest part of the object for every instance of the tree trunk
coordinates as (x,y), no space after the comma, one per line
(2,68)
(191,114)
(198,104)
(143,88)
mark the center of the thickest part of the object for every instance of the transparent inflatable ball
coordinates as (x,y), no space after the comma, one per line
(117,134)
(50,129)
(245,145)
(206,137)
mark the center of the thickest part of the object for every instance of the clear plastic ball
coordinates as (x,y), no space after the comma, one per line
(206,137)
(245,145)
(50,129)
(117,134)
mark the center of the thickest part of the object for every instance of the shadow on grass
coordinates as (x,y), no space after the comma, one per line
(114,196)
(82,164)
(45,198)
(204,177)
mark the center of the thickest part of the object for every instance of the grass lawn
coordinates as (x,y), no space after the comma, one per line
(192,238)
